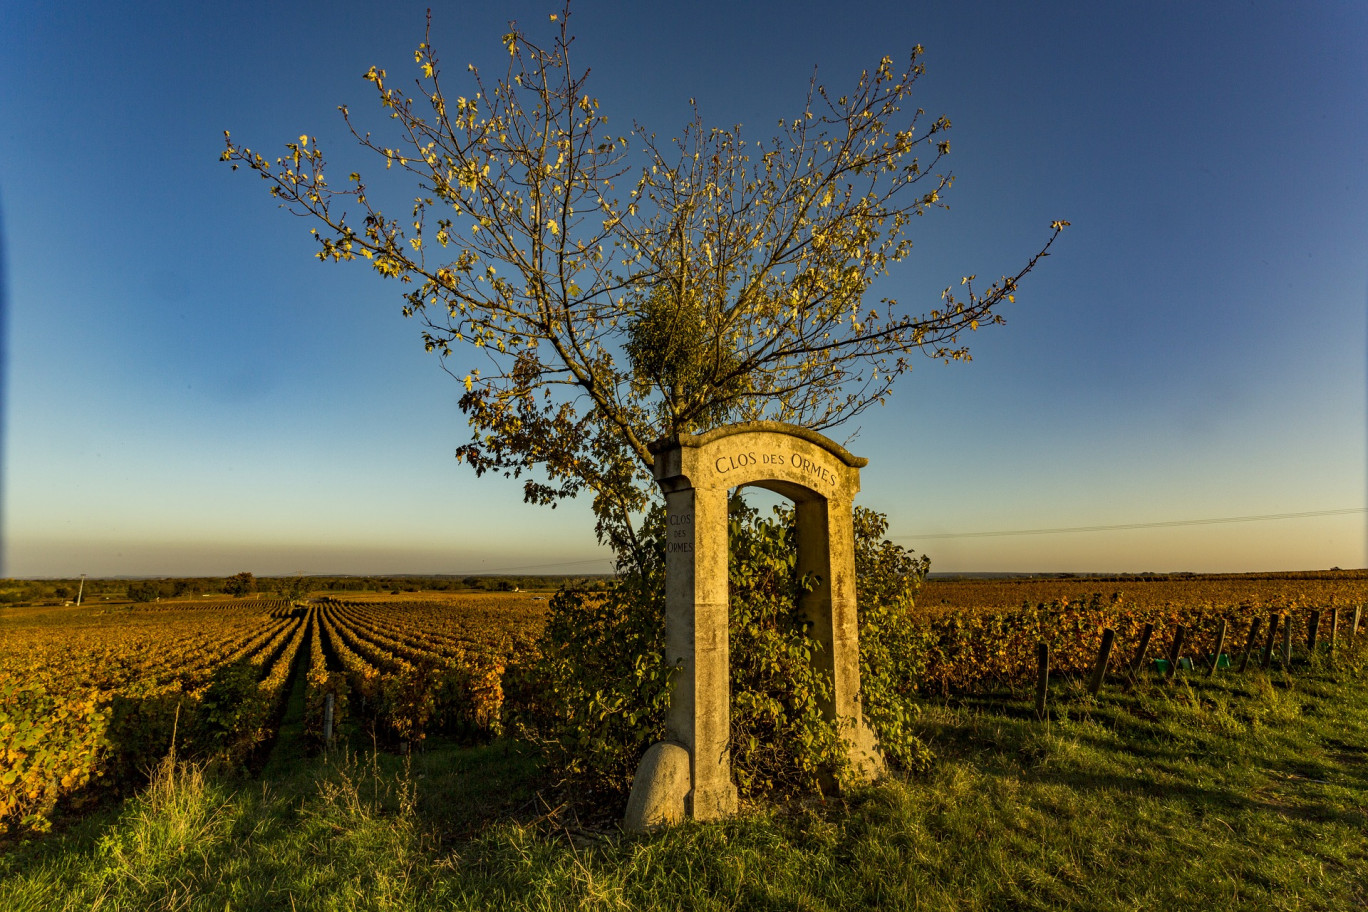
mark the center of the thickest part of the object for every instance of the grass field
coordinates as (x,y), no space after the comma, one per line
(1236,791)
(1242,792)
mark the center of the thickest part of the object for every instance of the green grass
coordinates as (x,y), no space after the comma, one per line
(1244,791)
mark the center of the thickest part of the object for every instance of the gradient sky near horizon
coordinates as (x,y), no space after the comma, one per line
(188,392)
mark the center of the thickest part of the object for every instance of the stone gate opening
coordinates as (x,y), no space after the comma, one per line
(689,773)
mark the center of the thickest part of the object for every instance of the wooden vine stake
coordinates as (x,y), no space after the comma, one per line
(1173,653)
(1042,677)
(1254,626)
(1313,632)
(1334,629)
(1220,644)
(1100,666)
(1139,661)
(1272,638)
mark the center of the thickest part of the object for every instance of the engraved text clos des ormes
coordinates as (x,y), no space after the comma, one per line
(724,464)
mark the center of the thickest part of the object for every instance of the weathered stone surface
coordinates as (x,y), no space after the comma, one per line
(866,760)
(659,789)
(696,472)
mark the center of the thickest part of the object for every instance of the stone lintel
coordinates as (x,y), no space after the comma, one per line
(799,466)
(753,427)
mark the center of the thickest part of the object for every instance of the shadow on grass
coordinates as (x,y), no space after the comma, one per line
(1261,745)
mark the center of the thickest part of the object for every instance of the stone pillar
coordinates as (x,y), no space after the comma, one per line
(696,643)
(826,549)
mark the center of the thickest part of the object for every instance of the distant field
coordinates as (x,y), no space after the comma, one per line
(90,695)
(1321,588)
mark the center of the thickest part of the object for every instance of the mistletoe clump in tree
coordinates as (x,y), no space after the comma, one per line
(616,289)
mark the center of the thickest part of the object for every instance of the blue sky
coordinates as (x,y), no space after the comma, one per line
(187,391)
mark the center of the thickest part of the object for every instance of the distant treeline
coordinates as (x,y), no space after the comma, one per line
(60,591)
(16,591)
(400,584)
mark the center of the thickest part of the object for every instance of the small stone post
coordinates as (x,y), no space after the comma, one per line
(1313,632)
(327,718)
(1287,642)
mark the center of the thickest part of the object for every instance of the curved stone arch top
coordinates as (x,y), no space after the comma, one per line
(695,473)
(790,460)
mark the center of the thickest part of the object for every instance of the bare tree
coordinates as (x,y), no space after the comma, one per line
(729,283)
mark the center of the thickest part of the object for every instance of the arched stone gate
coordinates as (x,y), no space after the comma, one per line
(689,774)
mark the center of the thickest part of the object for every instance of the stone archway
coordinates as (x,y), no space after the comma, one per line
(689,774)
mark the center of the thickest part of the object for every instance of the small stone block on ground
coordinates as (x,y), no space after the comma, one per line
(659,789)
